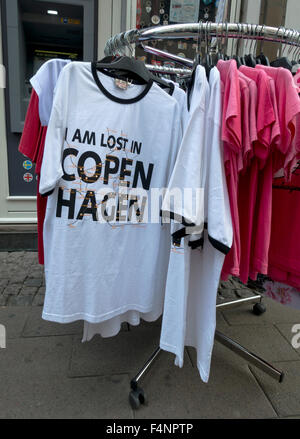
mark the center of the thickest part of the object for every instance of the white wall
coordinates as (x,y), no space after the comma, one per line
(292,19)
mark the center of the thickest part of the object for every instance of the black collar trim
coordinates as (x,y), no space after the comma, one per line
(115,98)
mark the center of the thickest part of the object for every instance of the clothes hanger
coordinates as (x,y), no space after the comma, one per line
(264,60)
(282,61)
(243,60)
(249,59)
(197,62)
(120,66)
(206,61)
(237,58)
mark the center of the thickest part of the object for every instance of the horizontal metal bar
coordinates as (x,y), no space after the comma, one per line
(199,30)
(249,356)
(232,303)
(184,61)
(168,70)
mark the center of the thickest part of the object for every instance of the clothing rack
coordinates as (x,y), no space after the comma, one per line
(118,45)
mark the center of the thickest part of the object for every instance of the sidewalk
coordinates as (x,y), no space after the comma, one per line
(46,372)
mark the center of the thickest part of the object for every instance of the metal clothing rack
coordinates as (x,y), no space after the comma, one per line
(118,45)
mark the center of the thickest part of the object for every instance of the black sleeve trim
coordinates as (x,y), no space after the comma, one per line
(178,235)
(47,193)
(219,245)
(197,243)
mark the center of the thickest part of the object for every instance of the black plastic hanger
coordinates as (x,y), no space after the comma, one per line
(282,62)
(112,62)
(125,67)
(238,61)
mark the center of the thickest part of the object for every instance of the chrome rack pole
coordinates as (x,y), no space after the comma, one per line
(249,356)
(134,382)
(191,30)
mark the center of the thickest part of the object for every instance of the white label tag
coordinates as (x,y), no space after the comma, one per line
(123,85)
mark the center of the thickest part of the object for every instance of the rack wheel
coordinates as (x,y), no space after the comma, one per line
(136,398)
(259,308)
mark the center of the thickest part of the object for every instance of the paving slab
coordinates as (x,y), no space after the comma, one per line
(37,327)
(264,341)
(64,398)
(42,357)
(285,397)
(125,353)
(232,392)
(275,313)
(286,331)
(14,319)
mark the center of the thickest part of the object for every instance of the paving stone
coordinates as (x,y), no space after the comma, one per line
(285,396)
(3,300)
(124,353)
(286,331)
(179,393)
(28,291)
(14,319)
(12,290)
(36,275)
(19,300)
(37,327)
(42,357)
(38,300)
(3,283)
(64,398)
(227,293)
(265,341)
(41,291)
(244,292)
(275,313)
(33,282)
(17,279)
(15,255)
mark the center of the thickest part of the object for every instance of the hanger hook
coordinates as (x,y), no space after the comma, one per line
(262,38)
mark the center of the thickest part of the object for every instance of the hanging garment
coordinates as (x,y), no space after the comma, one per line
(102,258)
(189,317)
(231,133)
(248,179)
(261,235)
(111,327)
(35,128)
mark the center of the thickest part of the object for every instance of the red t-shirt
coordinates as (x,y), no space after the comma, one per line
(32,146)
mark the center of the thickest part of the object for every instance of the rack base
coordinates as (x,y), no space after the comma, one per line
(137,395)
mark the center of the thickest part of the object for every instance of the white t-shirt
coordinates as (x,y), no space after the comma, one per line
(44,82)
(111,327)
(189,316)
(100,138)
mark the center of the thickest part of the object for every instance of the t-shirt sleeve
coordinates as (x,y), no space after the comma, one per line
(183,200)
(51,170)
(29,142)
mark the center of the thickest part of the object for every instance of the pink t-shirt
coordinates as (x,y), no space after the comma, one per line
(232,142)
(248,183)
(250,118)
(245,105)
(263,208)
(288,103)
